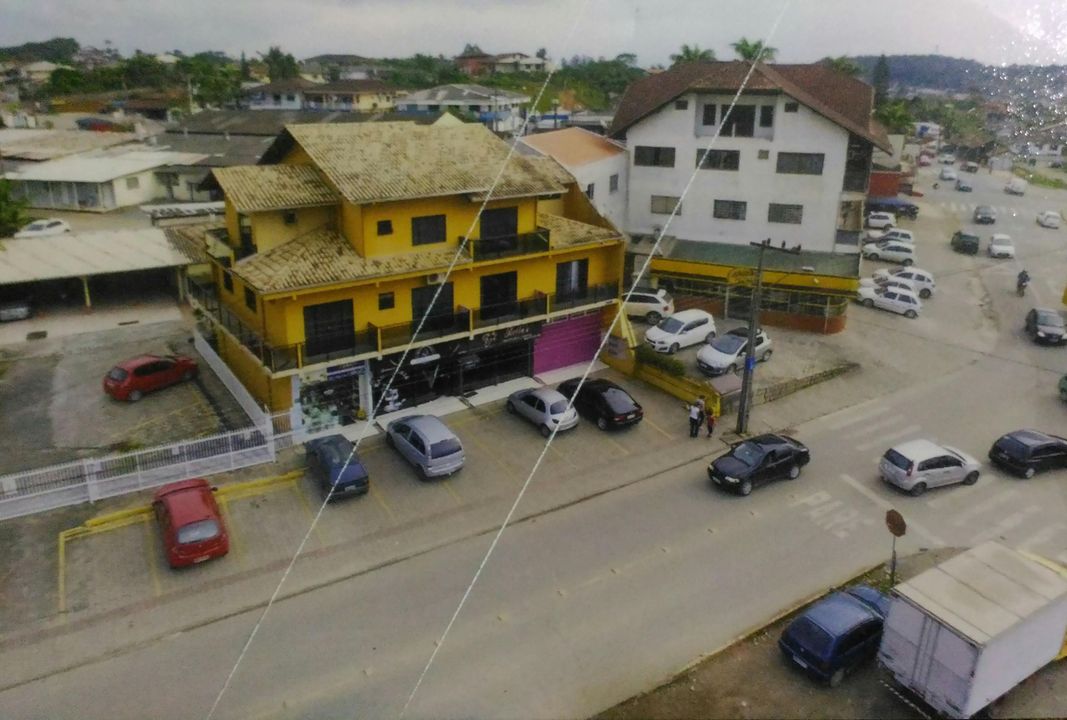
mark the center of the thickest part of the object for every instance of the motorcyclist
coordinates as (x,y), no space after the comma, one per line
(1022,280)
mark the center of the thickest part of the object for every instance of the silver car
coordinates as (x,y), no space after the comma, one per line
(917,465)
(426,443)
(544,407)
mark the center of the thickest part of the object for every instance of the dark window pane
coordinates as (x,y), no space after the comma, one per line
(386,301)
(792,214)
(427,230)
(766,115)
(792,106)
(718,159)
(801,163)
(740,122)
(709,114)
(385,227)
(250,300)
(681,104)
(649,156)
(730,209)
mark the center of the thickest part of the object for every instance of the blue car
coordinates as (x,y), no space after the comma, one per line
(838,633)
(326,459)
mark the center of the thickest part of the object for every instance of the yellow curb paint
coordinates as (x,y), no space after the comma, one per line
(658,429)
(150,551)
(381,501)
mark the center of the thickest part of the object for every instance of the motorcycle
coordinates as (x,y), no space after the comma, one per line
(1020,286)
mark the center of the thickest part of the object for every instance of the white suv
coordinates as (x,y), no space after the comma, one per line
(904,236)
(921,279)
(894,251)
(652,305)
(917,465)
(688,327)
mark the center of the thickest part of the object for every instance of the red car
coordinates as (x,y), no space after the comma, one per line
(190,523)
(131,379)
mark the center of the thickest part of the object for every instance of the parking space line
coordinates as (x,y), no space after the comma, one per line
(452,492)
(298,488)
(658,429)
(564,458)
(381,501)
(618,446)
(150,551)
(493,455)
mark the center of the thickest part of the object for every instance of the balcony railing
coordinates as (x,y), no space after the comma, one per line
(393,336)
(509,245)
(592,294)
(500,313)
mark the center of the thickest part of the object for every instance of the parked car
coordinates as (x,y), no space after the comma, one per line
(1001,246)
(544,407)
(948,173)
(11,310)
(925,161)
(652,305)
(1045,326)
(902,253)
(727,353)
(965,242)
(680,330)
(1055,163)
(900,300)
(604,402)
(881,220)
(904,236)
(43,228)
(920,279)
(890,282)
(964,185)
(1025,452)
(985,215)
(190,523)
(1049,219)
(971,167)
(1063,388)
(837,634)
(947,159)
(1016,186)
(333,462)
(758,461)
(131,379)
(427,443)
(917,465)
(892,205)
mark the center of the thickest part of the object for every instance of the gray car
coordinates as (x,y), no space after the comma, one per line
(544,407)
(426,443)
(918,465)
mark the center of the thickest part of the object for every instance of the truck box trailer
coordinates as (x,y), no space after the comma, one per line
(964,633)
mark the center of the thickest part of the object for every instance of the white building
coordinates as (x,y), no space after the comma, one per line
(520,62)
(789,162)
(500,110)
(597,163)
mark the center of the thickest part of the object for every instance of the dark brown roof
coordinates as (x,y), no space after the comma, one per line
(353,86)
(838,97)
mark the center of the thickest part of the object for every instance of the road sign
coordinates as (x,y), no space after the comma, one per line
(895,522)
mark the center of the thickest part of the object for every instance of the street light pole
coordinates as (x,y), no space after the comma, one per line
(753,321)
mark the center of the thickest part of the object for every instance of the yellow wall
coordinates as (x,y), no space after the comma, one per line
(275,393)
(817,283)
(269,229)
(350,220)
(232,228)
(365,102)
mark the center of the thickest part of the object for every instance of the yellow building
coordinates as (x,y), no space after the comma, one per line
(349,249)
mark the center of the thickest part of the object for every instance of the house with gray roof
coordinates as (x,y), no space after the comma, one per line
(502,111)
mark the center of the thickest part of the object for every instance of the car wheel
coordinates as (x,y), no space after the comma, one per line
(602,423)
(545,431)
(135,396)
(911,314)
(672,349)
(653,318)
(867,302)
(907,262)
(1028,473)
(510,407)
(710,337)
(746,487)
(794,472)
(872,256)
(918,489)
(971,478)
(837,677)
(732,369)
(924,293)
(189,375)
(424,474)
(765,356)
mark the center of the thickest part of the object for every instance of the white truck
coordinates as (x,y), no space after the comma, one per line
(964,633)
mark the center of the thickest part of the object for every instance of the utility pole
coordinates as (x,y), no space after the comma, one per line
(753,321)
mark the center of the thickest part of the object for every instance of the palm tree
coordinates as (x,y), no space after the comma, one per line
(692,54)
(843,64)
(753,50)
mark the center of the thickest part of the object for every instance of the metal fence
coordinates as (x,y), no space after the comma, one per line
(92,479)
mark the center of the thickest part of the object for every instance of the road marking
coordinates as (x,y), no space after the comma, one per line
(886,505)
(452,492)
(150,551)
(890,437)
(381,501)
(987,504)
(868,428)
(661,431)
(943,499)
(306,504)
(619,447)
(853,415)
(1010,522)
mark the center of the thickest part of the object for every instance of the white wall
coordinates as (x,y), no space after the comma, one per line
(612,205)
(148,188)
(756,182)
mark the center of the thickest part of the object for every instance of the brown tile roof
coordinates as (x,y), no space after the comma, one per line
(836,96)
(325,257)
(191,240)
(253,188)
(565,233)
(379,162)
(574,146)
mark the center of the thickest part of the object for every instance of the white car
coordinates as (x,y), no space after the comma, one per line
(44,228)
(727,353)
(545,407)
(904,236)
(652,305)
(892,251)
(688,327)
(897,300)
(881,220)
(921,279)
(890,281)
(1001,246)
(947,159)
(948,173)
(1049,219)
(917,465)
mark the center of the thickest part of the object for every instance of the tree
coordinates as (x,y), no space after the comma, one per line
(144,71)
(542,53)
(628,59)
(472,49)
(12,210)
(844,65)
(333,73)
(752,50)
(280,65)
(895,116)
(65,81)
(692,54)
(246,70)
(881,81)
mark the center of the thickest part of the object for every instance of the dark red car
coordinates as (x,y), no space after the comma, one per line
(190,523)
(131,379)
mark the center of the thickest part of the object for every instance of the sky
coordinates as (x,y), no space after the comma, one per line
(996,32)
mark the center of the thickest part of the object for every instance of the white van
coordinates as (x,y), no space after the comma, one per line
(1016,186)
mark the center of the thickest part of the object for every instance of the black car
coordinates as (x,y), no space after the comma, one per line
(965,242)
(604,402)
(757,461)
(985,215)
(1045,326)
(1024,452)
(334,464)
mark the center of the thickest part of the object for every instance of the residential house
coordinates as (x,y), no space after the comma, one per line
(519,62)
(502,111)
(351,96)
(279,95)
(600,166)
(346,67)
(789,161)
(357,241)
(889,174)
(39,72)
(474,63)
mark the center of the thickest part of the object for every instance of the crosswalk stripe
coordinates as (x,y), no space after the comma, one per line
(986,505)
(886,505)
(852,415)
(1042,536)
(890,437)
(865,428)
(1010,522)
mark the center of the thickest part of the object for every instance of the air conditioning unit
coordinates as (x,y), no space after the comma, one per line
(436,278)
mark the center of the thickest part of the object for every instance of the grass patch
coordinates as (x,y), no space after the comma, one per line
(1035,178)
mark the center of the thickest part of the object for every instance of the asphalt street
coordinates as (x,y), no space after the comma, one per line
(587,605)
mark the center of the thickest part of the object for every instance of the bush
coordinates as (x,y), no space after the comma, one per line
(666,363)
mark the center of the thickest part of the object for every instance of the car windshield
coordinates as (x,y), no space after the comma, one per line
(558,407)
(809,635)
(748,453)
(897,459)
(443,448)
(618,400)
(198,532)
(728,344)
(1047,317)
(1011,446)
(36,226)
(670,325)
(117,374)
(1002,241)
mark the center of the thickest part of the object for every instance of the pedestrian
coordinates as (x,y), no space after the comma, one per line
(694,419)
(711,422)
